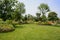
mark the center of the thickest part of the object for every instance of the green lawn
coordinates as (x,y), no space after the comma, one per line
(32,32)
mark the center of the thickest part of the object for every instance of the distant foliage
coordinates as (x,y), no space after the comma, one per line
(52,16)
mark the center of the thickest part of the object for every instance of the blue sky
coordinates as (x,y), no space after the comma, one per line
(32,5)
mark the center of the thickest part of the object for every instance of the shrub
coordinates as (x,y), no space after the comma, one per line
(57,25)
(12,22)
(45,23)
(8,21)
(1,22)
(58,21)
(48,23)
(6,27)
(30,21)
(0,19)
(15,22)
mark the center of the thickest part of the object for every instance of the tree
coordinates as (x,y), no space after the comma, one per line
(52,16)
(44,8)
(6,7)
(25,18)
(38,16)
(43,18)
(30,17)
(19,11)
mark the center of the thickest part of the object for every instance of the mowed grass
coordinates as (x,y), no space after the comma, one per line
(32,32)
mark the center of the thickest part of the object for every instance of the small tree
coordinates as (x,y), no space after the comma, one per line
(30,17)
(38,16)
(52,16)
(25,18)
(43,18)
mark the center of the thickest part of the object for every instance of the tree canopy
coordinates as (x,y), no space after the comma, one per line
(52,16)
(11,9)
(43,8)
(6,7)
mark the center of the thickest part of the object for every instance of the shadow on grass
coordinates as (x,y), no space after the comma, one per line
(19,26)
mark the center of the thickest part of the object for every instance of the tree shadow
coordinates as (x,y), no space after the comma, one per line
(19,26)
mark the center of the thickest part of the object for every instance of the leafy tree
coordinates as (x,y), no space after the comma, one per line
(38,16)
(19,11)
(6,7)
(30,17)
(52,16)
(44,8)
(25,18)
(43,18)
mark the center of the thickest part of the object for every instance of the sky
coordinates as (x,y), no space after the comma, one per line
(31,6)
